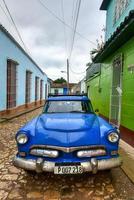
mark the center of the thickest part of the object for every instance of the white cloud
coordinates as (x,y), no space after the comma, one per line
(44,35)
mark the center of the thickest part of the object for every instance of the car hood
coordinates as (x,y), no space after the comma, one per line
(67,129)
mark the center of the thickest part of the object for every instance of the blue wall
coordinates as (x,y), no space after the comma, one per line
(65,91)
(9,50)
(110,26)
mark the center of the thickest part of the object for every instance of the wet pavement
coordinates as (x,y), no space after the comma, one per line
(17,184)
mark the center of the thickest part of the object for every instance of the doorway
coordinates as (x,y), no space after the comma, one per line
(116,92)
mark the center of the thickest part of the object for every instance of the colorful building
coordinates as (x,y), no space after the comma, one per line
(110,78)
(22,82)
(80,87)
(83,85)
(61,88)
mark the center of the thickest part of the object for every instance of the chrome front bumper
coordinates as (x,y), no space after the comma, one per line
(40,165)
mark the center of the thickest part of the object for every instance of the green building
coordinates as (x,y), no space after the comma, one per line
(110,78)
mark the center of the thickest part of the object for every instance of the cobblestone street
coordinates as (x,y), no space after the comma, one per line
(17,184)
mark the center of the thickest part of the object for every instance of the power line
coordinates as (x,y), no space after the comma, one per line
(74,13)
(75,27)
(77,73)
(67,25)
(74,19)
(80,78)
(73,10)
(75,22)
(5,13)
(14,24)
(65,36)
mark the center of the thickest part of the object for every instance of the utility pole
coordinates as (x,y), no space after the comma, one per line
(68,76)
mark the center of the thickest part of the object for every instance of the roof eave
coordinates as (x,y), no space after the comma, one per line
(104,5)
(2,28)
(120,37)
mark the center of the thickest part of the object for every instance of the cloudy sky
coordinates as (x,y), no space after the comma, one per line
(44,35)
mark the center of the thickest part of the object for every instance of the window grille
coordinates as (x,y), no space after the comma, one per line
(116,91)
(36,88)
(120,6)
(28,86)
(41,89)
(56,92)
(48,88)
(11,83)
(45,91)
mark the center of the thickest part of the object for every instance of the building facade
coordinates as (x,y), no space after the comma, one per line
(49,82)
(76,89)
(83,85)
(110,78)
(22,82)
(116,11)
(61,88)
(80,87)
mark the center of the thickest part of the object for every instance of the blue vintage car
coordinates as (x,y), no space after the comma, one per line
(67,138)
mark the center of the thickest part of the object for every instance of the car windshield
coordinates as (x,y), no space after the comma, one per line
(68,107)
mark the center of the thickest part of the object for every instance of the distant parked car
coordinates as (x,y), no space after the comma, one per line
(67,138)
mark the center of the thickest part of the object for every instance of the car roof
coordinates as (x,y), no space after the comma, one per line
(68,98)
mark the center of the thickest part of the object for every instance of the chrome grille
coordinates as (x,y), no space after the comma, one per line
(68,149)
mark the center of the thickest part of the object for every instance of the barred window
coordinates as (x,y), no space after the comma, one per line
(41,89)
(45,91)
(36,88)
(48,88)
(11,83)
(56,92)
(28,86)
(120,6)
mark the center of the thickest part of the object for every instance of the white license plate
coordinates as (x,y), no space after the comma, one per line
(68,169)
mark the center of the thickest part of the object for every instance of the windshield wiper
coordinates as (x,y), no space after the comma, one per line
(87,112)
(75,111)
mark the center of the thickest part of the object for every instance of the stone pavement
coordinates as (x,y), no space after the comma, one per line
(16,184)
(127,154)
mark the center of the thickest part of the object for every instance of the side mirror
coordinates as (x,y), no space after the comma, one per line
(97,111)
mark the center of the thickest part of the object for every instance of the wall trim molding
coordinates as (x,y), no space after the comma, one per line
(20,109)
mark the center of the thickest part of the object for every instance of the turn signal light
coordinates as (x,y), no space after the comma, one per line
(22,154)
(113,153)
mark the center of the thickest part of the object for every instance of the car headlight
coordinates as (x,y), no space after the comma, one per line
(22,138)
(113,137)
